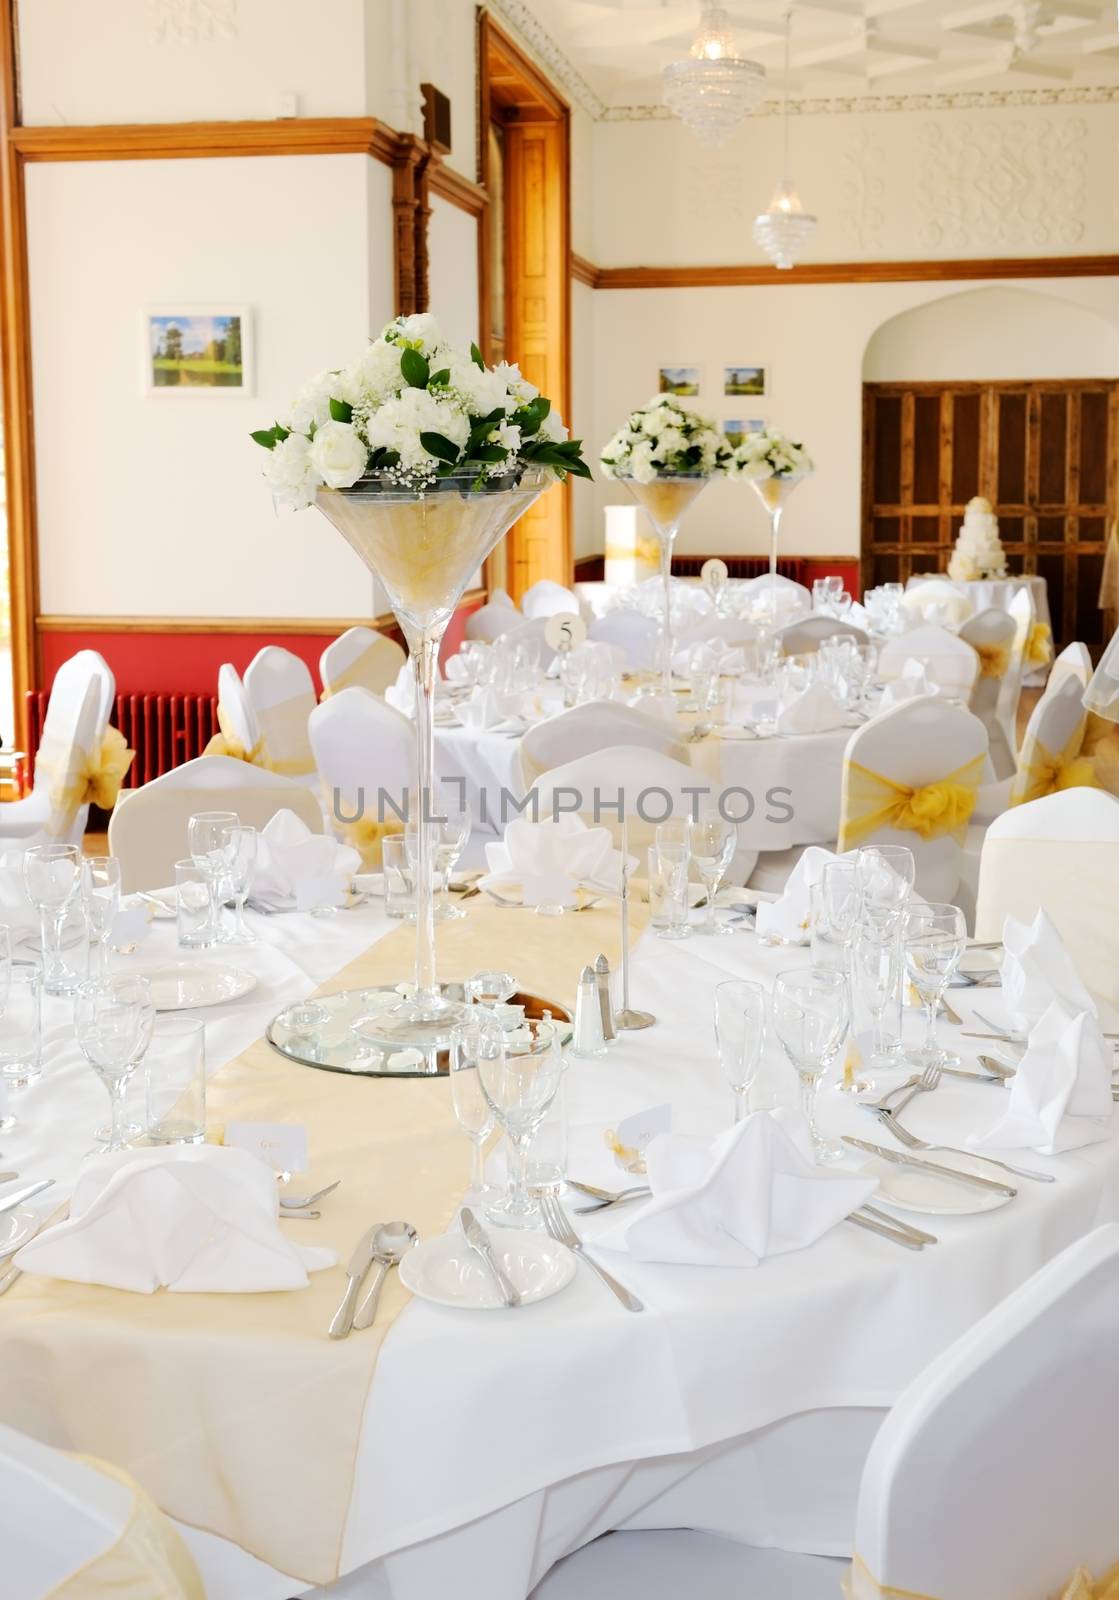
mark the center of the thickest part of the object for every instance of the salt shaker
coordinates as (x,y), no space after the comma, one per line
(589,1039)
(605,1000)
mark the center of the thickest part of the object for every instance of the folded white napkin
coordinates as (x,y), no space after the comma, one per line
(754,1192)
(297,870)
(485,709)
(814,710)
(401,695)
(17,913)
(454,670)
(787,917)
(1036,970)
(194,1219)
(911,685)
(1060,1096)
(502,597)
(561,852)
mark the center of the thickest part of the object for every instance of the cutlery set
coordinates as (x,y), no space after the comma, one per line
(383,1246)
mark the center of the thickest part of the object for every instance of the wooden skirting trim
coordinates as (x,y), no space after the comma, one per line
(169,141)
(590,569)
(55,622)
(813,272)
(451,185)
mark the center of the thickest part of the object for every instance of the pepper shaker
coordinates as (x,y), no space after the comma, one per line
(605,999)
(589,1040)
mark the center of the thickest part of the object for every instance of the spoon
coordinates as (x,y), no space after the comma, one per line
(997,1069)
(391,1244)
(302,1202)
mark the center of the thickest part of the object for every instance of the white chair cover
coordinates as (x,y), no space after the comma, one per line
(82,693)
(949,662)
(490,621)
(1060,853)
(547,598)
(360,658)
(1010,1436)
(361,746)
(994,699)
(597,725)
(235,708)
(148,829)
(730,630)
(807,634)
(917,743)
(629,631)
(76,1529)
(1102,694)
(936,600)
(1075,661)
(763,581)
(502,597)
(1055,730)
(281,693)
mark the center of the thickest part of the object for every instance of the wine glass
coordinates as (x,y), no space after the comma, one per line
(473,1112)
(837,905)
(740,1036)
(810,1016)
(52,877)
(101,899)
(113,1022)
(209,836)
(240,845)
(934,937)
(876,960)
(134,1109)
(519,1087)
(5,965)
(712,840)
(451,838)
(885,876)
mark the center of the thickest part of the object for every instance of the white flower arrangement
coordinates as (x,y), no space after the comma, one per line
(410,411)
(769,453)
(665,439)
(978,552)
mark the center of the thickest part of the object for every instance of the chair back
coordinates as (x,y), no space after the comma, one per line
(949,662)
(67,703)
(1074,661)
(236,712)
(728,630)
(1061,853)
(362,746)
(360,658)
(805,635)
(936,600)
(597,725)
(148,828)
(281,692)
(995,1476)
(1050,758)
(793,599)
(912,747)
(630,632)
(490,621)
(547,599)
(992,635)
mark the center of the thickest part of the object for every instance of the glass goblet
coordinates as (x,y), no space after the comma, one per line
(52,876)
(101,899)
(934,937)
(520,1087)
(240,844)
(473,1112)
(740,1037)
(712,840)
(209,839)
(112,1021)
(810,1018)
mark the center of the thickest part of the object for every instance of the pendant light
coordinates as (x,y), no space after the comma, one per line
(713,87)
(784,230)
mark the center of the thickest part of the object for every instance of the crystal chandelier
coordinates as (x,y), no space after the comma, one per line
(713,88)
(783,230)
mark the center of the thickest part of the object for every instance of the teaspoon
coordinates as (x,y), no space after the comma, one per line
(391,1244)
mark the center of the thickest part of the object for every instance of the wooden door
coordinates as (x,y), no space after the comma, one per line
(1043,453)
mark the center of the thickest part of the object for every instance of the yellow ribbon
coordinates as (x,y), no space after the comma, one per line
(92,779)
(859,1583)
(148,1561)
(1039,645)
(226,743)
(994,659)
(1090,760)
(933,810)
(367,836)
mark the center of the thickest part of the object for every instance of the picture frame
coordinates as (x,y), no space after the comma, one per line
(735,429)
(683,382)
(744,380)
(198,348)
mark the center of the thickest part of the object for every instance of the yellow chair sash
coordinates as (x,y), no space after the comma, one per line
(1039,645)
(1090,760)
(226,743)
(149,1560)
(932,810)
(994,659)
(859,1583)
(93,779)
(367,836)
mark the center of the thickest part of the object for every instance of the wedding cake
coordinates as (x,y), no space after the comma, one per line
(979,552)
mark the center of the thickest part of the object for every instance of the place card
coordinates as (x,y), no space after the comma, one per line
(131,926)
(282,1145)
(633,1135)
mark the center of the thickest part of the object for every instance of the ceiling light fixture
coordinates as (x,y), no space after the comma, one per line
(713,87)
(783,230)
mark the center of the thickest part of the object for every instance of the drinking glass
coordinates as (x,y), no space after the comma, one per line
(192,907)
(668,893)
(52,877)
(712,840)
(834,586)
(934,938)
(490,989)
(5,964)
(820,595)
(399,901)
(176,1082)
(452,834)
(101,900)
(885,877)
(740,1036)
(111,1020)
(810,1016)
(520,1088)
(21,1026)
(547,1167)
(240,845)
(134,1119)
(473,1112)
(209,838)
(877,970)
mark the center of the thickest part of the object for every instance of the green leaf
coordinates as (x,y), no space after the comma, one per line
(440,380)
(529,417)
(279,431)
(266,437)
(489,452)
(414,368)
(341,410)
(436,445)
(476,357)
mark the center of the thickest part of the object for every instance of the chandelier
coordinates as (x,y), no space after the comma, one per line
(713,87)
(783,230)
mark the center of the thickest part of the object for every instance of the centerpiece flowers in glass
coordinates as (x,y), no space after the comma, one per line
(422,457)
(666,455)
(774,464)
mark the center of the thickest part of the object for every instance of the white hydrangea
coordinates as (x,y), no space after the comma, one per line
(375,375)
(481,391)
(769,453)
(338,454)
(290,472)
(664,438)
(421,330)
(398,424)
(311,406)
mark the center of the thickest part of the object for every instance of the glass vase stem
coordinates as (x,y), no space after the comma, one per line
(424,647)
(667,539)
(774,529)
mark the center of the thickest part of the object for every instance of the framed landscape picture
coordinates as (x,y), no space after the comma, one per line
(744,380)
(737,428)
(681,381)
(198,347)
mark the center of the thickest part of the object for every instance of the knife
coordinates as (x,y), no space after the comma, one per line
(902,1160)
(360,1262)
(479,1241)
(21,1195)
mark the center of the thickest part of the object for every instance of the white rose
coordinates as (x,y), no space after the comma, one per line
(421,330)
(290,473)
(506,435)
(481,392)
(553,427)
(338,454)
(398,424)
(312,404)
(376,374)
(515,381)
(641,465)
(671,442)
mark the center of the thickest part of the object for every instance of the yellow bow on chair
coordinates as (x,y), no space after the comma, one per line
(1090,760)
(226,743)
(92,779)
(859,1583)
(994,659)
(1039,645)
(933,810)
(367,836)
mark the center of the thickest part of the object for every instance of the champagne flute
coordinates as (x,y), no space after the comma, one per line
(877,970)
(52,877)
(112,1027)
(885,878)
(473,1112)
(810,1016)
(934,938)
(101,899)
(451,839)
(740,1036)
(241,845)
(712,840)
(210,843)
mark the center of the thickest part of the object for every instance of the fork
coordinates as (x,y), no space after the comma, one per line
(928,1081)
(900,1088)
(557,1224)
(911,1141)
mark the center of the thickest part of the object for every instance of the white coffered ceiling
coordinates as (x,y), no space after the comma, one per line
(840,48)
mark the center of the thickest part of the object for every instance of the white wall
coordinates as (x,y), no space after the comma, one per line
(155,504)
(452,244)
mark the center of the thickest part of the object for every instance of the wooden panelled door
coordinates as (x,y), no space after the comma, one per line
(1043,453)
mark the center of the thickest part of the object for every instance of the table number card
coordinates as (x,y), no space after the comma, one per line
(283,1145)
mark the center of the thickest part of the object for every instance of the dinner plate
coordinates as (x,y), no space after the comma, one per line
(183,985)
(910,1189)
(16,1227)
(447,1271)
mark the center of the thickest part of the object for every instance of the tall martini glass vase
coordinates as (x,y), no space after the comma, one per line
(773,491)
(664,501)
(424,548)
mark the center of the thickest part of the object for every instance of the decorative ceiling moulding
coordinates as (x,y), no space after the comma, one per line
(865,105)
(537,42)
(819,272)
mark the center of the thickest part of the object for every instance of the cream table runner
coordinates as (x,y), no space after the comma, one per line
(236,1412)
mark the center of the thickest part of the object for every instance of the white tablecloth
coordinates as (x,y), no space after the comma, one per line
(494,1445)
(996,594)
